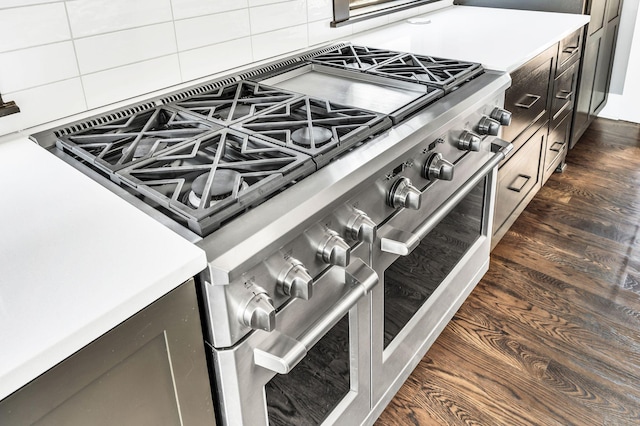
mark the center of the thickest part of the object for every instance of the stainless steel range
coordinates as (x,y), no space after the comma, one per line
(344,199)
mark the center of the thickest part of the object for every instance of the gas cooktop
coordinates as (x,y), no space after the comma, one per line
(436,72)
(207,154)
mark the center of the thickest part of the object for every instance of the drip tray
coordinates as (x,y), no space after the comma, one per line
(395,98)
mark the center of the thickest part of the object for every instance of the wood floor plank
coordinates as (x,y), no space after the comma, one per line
(551,335)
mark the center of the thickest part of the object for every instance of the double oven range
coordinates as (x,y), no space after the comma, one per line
(344,198)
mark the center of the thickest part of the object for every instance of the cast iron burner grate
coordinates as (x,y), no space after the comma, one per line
(355,57)
(235,102)
(446,74)
(129,140)
(315,127)
(209,180)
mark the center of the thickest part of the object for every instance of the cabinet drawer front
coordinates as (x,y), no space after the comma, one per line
(149,370)
(564,89)
(518,177)
(569,50)
(527,97)
(556,147)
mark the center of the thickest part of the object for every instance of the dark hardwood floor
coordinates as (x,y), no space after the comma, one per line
(551,335)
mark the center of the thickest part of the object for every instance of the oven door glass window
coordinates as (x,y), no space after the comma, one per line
(308,393)
(412,279)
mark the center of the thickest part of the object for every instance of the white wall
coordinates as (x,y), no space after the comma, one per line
(60,58)
(624,100)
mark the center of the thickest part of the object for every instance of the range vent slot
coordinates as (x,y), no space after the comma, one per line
(324,50)
(104,119)
(270,70)
(197,90)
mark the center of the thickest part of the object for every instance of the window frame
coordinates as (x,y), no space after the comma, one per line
(342,13)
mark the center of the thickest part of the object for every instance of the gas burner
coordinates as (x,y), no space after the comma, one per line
(145,147)
(211,179)
(314,126)
(223,183)
(123,142)
(235,102)
(310,136)
(355,57)
(443,73)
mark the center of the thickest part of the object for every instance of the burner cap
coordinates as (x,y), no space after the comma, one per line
(306,135)
(221,187)
(145,146)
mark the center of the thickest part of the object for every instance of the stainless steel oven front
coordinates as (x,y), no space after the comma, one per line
(428,261)
(314,368)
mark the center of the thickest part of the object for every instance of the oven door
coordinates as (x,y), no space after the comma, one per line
(428,262)
(314,368)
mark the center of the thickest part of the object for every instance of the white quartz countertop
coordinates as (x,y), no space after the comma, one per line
(75,261)
(499,39)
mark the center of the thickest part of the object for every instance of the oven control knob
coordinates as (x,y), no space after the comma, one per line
(360,227)
(258,312)
(488,126)
(438,168)
(294,280)
(334,250)
(404,194)
(469,141)
(502,116)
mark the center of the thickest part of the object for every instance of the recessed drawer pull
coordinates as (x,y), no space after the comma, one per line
(557,146)
(535,98)
(564,94)
(519,183)
(570,50)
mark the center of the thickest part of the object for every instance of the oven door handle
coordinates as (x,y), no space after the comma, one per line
(285,352)
(402,243)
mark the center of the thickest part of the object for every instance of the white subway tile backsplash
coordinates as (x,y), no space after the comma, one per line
(192,8)
(122,49)
(277,16)
(212,29)
(116,84)
(216,58)
(14,3)
(90,17)
(253,3)
(33,25)
(319,9)
(111,50)
(277,42)
(42,104)
(321,32)
(26,68)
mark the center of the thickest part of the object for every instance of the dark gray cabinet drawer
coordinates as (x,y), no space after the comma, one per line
(527,97)
(564,89)
(556,147)
(149,370)
(569,51)
(518,178)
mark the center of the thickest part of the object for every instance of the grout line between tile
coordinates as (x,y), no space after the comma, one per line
(75,54)
(175,39)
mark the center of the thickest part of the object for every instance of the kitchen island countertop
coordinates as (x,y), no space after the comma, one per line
(499,39)
(75,261)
